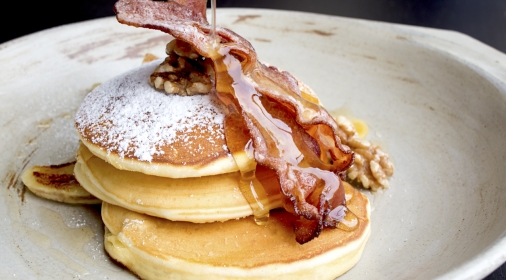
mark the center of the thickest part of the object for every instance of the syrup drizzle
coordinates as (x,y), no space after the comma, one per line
(214,37)
(252,189)
(283,139)
(238,140)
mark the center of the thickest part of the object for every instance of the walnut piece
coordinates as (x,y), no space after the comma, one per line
(183,72)
(372,167)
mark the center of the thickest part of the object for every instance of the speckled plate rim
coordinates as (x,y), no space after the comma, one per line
(490,63)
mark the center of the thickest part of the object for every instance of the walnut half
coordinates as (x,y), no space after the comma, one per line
(183,72)
(372,167)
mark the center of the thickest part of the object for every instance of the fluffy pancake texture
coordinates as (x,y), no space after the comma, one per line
(133,126)
(197,199)
(156,248)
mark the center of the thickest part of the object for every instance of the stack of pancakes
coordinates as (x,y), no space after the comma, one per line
(172,206)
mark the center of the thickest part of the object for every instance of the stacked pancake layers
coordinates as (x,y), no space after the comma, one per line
(172,206)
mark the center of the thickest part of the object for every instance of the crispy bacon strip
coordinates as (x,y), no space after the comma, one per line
(198,6)
(316,196)
(182,23)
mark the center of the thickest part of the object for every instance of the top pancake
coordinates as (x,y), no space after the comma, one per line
(135,127)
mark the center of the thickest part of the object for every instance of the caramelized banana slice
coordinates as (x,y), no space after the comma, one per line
(57,182)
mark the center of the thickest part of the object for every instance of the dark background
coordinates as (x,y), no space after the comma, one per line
(484,20)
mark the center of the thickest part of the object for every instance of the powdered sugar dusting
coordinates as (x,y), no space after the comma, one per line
(128,116)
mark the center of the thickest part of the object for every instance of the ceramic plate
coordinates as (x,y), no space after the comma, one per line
(436,100)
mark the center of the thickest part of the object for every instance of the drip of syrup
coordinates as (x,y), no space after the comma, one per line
(239,144)
(281,134)
(214,37)
(254,193)
(349,222)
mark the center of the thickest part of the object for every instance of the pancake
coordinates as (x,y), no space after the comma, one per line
(180,200)
(133,126)
(197,199)
(156,248)
(57,183)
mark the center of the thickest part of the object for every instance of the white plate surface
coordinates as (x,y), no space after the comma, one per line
(436,100)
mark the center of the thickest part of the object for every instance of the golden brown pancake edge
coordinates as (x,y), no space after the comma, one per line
(232,249)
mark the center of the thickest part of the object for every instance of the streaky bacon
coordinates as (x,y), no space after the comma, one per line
(318,204)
